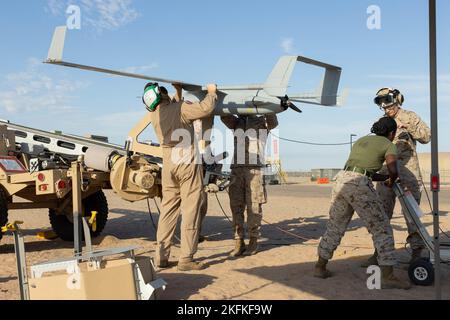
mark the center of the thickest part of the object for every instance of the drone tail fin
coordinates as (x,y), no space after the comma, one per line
(278,80)
(55,53)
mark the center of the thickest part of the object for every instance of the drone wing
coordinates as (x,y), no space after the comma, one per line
(55,56)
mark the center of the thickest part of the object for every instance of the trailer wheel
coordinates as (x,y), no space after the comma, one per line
(63,226)
(421,272)
(3,209)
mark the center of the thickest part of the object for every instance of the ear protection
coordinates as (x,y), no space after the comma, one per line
(396,94)
(152,96)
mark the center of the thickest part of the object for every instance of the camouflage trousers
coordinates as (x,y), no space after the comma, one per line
(388,199)
(354,192)
(247,191)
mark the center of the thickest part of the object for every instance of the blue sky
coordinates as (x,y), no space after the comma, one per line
(228,42)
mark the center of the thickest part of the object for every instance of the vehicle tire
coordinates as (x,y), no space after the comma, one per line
(3,209)
(63,227)
(421,272)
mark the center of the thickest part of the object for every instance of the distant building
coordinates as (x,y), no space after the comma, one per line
(425,167)
(317,174)
(444,166)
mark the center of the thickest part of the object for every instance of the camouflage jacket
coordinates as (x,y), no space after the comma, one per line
(406,141)
(250,135)
(406,138)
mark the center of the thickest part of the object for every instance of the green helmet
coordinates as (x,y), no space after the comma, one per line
(152,96)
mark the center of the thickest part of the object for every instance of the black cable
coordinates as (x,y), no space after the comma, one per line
(223,211)
(290,233)
(311,143)
(151,216)
(159,213)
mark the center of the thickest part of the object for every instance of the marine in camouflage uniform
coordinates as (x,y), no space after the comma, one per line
(353,191)
(411,129)
(247,190)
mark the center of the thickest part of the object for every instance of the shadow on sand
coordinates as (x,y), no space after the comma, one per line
(176,285)
(349,281)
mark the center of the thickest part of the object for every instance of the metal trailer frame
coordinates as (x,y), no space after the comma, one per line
(19,249)
(421,271)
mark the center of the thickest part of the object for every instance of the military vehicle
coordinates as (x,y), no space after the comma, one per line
(35,173)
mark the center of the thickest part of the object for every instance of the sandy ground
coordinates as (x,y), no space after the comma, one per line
(282,270)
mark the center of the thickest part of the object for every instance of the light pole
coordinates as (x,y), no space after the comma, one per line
(351,141)
(435,183)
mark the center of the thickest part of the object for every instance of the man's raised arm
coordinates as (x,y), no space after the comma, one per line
(193,111)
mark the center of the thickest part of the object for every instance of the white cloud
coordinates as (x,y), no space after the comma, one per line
(55,7)
(33,90)
(287,44)
(100,14)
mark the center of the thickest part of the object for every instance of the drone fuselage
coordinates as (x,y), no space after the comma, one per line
(240,102)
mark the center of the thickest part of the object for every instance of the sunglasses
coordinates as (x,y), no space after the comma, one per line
(384,100)
(392,106)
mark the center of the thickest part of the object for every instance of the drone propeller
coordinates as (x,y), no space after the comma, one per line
(286,103)
(294,107)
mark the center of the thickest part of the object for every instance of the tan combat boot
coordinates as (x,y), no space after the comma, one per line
(252,247)
(190,266)
(239,248)
(390,281)
(320,270)
(161,263)
(372,261)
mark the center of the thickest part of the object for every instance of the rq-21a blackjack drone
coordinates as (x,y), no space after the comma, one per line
(269,97)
